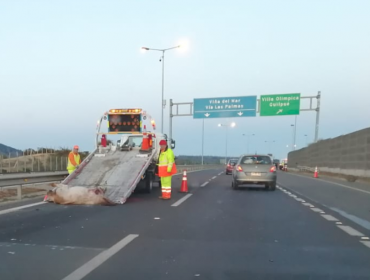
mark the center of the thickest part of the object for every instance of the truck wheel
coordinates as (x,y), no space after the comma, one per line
(148,183)
(273,186)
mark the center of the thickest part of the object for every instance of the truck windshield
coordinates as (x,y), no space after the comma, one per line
(136,140)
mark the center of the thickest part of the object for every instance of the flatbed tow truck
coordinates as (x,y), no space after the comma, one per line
(122,167)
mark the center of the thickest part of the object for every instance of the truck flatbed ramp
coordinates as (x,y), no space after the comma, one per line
(118,172)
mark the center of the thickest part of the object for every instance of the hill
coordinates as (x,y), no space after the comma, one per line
(6,151)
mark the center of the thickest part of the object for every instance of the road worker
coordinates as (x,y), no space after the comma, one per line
(74,160)
(166,168)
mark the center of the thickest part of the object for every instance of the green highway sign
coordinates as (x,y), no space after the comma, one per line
(280,104)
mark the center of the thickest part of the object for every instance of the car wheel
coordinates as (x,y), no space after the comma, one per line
(273,186)
(226,173)
(267,187)
(234,186)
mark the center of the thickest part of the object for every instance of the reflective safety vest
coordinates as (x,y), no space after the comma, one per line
(166,163)
(73,161)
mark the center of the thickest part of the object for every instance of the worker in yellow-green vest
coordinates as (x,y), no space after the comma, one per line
(74,160)
(166,168)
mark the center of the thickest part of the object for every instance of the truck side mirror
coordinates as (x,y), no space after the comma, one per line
(173,144)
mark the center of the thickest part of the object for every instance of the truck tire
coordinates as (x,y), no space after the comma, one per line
(272,186)
(148,183)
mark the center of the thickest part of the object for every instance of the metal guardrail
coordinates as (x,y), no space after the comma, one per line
(19,181)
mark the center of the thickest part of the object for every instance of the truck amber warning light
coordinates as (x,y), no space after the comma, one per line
(124,120)
(125,111)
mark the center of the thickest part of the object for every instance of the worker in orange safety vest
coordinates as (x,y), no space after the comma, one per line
(166,168)
(74,160)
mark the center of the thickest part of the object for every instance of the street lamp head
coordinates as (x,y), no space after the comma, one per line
(233,124)
(145,48)
(219,125)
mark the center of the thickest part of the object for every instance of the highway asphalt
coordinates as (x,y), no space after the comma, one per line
(213,232)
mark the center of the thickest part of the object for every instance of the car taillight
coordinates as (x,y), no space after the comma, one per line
(228,165)
(239,168)
(273,169)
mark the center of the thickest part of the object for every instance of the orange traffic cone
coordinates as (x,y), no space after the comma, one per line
(316,174)
(46,197)
(145,143)
(184,183)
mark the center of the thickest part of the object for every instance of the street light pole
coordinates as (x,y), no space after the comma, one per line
(292,125)
(161,60)
(203,142)
(248,135)
(227,126)
(163,103)
(269,145)
(295,132)
(226,148)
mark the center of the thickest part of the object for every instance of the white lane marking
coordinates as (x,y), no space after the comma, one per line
(344,186)
(365,238)
(177,203)
(95,262)
(308,204)
(2,212)
(351,231)
(204,184)
(366,243)
(214,177)
(329,218)
(316,209)
(339,223)
(220,173)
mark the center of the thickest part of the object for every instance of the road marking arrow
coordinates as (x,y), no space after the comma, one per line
(240,113)
(280,111)
(207,115)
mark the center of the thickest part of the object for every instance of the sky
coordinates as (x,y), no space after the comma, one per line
(64,63)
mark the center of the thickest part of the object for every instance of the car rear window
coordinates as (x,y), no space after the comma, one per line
(256,160)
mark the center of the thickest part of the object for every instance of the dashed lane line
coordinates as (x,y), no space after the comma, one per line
(347,229)
(316,210)
(204,184)
(366,243)
(308,204)
(350,230)
(95,262)
(330,218)
(214,177)
(177,203)
(2,212)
